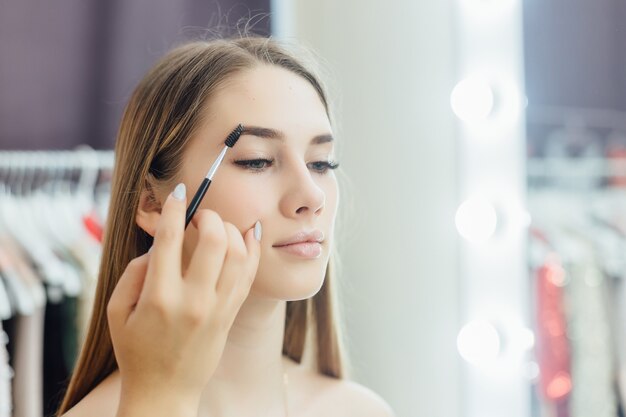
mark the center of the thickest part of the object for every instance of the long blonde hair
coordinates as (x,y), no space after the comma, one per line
(160,118)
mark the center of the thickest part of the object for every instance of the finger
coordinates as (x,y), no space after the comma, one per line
(236,245)
(238,273)
(234,262)
(253,241)
(207,259)
(164,265)
(127,290)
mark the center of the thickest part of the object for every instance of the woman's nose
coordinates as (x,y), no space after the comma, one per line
(303,196)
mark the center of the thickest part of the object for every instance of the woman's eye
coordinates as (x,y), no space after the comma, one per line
(254,164)
(258,165)
(323,166)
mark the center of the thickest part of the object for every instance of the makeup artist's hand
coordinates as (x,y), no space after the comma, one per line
(168,329)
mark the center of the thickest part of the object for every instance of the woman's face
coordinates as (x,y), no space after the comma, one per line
(291,193)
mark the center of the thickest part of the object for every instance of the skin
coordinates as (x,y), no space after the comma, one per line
(286,196)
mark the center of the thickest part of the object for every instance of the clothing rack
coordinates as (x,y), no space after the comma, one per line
(576,178)
(22,166)
(576,147)
(537,168)
(49,270)
(589,117)
(82,157)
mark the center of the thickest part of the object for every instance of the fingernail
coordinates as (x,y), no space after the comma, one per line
(179,192)
(258,230)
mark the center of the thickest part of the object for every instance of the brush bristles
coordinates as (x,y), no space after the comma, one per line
(234,136)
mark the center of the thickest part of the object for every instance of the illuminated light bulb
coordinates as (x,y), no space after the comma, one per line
(478,342)
(557,276)
(472,99)
(488,7)
(555,273)
(476,220)
(559,386)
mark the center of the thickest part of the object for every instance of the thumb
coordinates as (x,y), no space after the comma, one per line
(128,289)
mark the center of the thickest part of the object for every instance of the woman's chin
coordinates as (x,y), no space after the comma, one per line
(288,287)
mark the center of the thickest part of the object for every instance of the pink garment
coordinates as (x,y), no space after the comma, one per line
(28,365)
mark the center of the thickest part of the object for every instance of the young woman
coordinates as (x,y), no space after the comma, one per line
(213,320)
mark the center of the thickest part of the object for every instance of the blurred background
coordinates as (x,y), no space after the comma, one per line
(483,155)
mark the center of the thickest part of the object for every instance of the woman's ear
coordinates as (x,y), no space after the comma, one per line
(149,209)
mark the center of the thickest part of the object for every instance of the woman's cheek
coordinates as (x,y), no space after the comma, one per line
(242,203)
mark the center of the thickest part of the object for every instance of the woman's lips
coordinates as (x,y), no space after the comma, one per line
(309,250)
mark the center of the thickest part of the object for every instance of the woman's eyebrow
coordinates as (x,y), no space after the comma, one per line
(268,133)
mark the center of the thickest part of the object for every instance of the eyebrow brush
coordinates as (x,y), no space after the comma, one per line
(230,141)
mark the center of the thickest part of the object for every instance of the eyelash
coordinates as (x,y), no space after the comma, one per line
(247,164)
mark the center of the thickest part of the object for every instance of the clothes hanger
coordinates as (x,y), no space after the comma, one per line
(7,305)
(28,236)
(50,211)
(79,203)
(16,288)
(41,205)
(90,251)
(85,190)
(19,274)
(11,291)
(6,310)
(20,268)
(22,264)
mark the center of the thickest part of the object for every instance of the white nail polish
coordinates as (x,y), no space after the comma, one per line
(179,192)
(258,230)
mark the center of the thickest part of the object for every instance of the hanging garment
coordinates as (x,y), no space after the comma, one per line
(593,390)
(27,335)
(617,308)
(48,272)
(60,338)
(88,255)
(6,375)
(552,347)
(59,351)
(28,366)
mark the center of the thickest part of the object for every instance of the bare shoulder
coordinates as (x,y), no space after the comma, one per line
(324,395)
(358,400)
(102,401)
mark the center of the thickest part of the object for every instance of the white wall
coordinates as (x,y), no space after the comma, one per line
(392,68)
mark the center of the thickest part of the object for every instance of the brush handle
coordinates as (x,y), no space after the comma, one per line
(195,202)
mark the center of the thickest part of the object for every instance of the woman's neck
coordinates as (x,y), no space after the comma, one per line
(249,377)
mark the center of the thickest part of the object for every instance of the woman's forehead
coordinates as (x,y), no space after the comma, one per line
(267,96)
